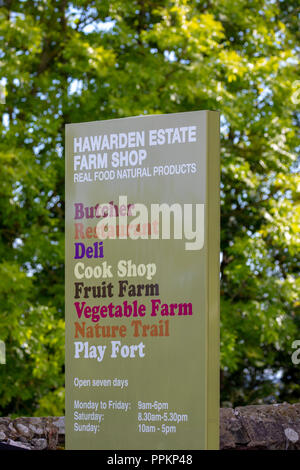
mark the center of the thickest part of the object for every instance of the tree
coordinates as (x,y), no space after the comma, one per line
(85,60)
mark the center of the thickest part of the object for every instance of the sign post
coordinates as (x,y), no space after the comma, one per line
(142,283)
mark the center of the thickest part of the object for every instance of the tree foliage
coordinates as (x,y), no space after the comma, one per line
(87,60)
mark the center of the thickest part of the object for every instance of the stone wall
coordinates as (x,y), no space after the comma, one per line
(264,427)
(33,433)
(246,428)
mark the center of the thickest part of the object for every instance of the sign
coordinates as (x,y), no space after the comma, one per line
(142,283)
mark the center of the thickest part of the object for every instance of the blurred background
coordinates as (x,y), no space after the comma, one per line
(63,62)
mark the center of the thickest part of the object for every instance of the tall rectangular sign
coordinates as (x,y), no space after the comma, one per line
(142,283)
